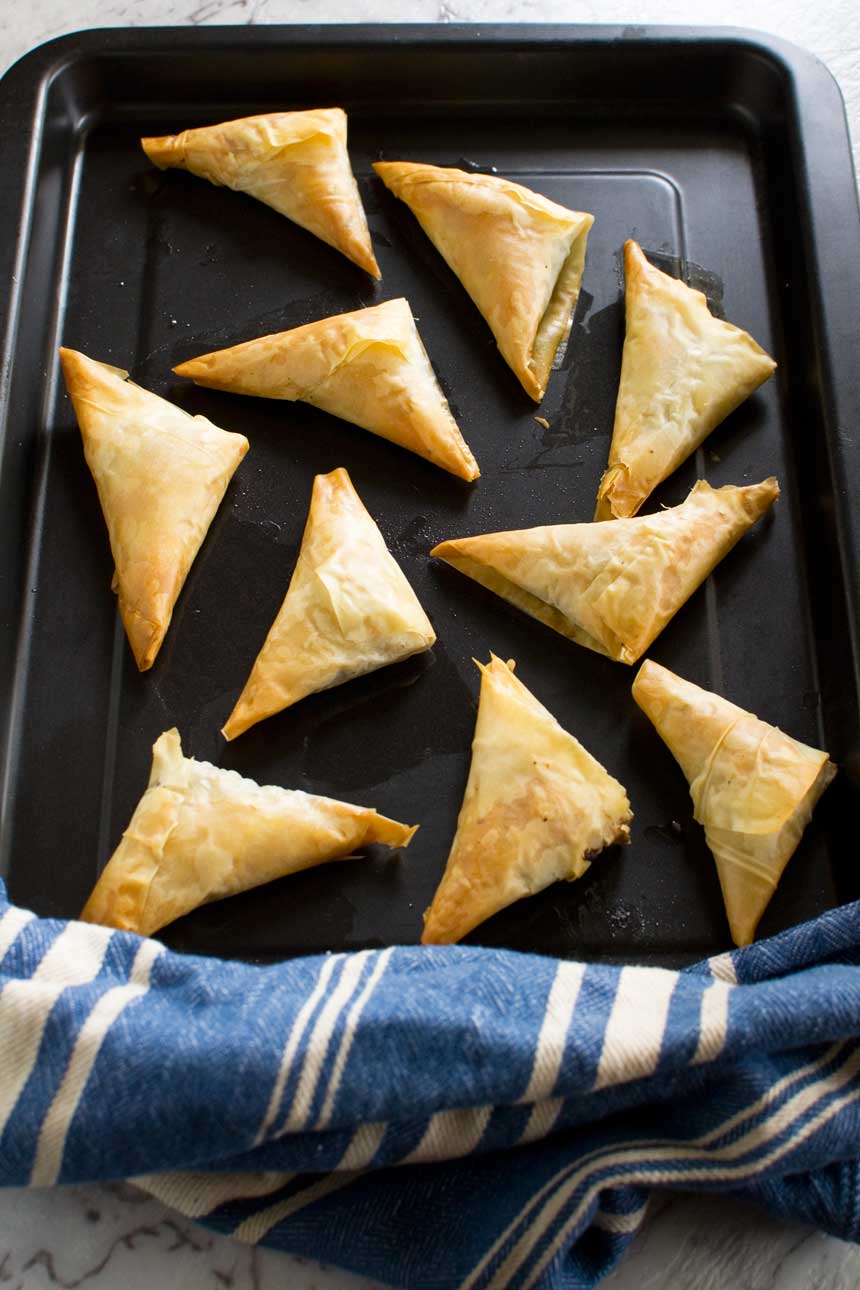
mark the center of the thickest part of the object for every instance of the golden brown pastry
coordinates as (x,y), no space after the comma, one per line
(295,162)
(753,788)
(613,587)
(682,372)
(348,610)
(537,809)
(200,833)
(368,367)
(160,475)
(519,256)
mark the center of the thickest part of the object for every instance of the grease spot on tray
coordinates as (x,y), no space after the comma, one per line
(592,382)
(413,535)
(668,835)
(694,275)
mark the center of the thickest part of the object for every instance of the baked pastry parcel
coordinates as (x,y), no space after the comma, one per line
(368,367)
(161,474)
(200,833)
(613,587)
(753,788)
(348,610)
(519,255)
(295,162)
(537,809)
(682,372)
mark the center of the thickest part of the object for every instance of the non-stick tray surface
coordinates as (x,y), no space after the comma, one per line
(724,154)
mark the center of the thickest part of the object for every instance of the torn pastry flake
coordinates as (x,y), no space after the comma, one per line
(348,610)
(368,367)
(753,788)
(682,372)
(613,587)
(160,475)
(537,809)
(295,162)
(200,833)
(519,255)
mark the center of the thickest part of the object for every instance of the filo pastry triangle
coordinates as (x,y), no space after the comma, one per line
(753,788)
(368,367)
(161,474)
(519,255)
(200,833)
(295,162)
(682,372)
(537,809)
(613,587)
(348,610)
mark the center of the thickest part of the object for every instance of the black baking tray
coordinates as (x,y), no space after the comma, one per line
(724,153)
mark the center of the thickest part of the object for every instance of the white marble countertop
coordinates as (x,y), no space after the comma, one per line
(115,1238)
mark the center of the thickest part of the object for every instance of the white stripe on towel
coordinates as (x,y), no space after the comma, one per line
(254,1228)
(723,969)
(347,1037)
(73,959)
(541,1120)
(363,1146)
(11,924)
(620,1224)
(293,1040)
(449,1134)
(91,1036)
(634,1033)
(713,1022)
(196,1195)
(318,1044)
(549,1051)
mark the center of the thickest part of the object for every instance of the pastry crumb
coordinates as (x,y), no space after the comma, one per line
(542,421)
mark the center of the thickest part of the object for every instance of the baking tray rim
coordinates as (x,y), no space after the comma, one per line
(55,54)
(825,184)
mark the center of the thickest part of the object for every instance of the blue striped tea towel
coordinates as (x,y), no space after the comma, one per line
(434,1117)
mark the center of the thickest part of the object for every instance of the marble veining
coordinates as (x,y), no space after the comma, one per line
(116,1238)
